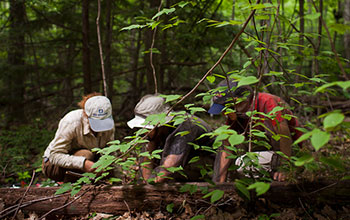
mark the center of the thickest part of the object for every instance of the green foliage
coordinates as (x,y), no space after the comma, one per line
(21,148)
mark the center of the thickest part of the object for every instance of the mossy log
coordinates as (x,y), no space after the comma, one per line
(121,199)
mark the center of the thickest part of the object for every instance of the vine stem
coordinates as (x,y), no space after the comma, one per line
(20,203)
(100,47)
(220,59)
(151,52)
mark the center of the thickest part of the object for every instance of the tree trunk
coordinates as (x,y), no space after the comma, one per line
(17,71)
(301,36)
(108,42)
(86,48)
(347,34)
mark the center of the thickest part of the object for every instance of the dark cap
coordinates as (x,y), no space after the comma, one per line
(222,98)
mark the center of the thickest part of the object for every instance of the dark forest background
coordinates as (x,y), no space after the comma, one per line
(50,57)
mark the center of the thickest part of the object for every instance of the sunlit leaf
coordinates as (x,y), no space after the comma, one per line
(260,187)
(333,120)
(319,138)
(247,81)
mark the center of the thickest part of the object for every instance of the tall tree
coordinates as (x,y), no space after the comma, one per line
(16,56)
(86,47)
(347,34)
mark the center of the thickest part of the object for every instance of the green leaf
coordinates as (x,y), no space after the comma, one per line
(182,133)
(65,187)
(260,187)
(243,189)
(211,79)
(196,109)
(216,195)
(198,217)
(169,98)
(333,162)
(333,120)
(194,159)
(75,190)
(170,207)
(319,138)
(247,81)
(303,137)
(235,139)
(134,26)
(163,11)
(306,158)
(312,16)
(115,180)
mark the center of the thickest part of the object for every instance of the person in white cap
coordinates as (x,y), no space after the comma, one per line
(78,132)
(175,141)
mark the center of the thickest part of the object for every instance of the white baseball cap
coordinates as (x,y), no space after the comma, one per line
(99,112)
(148,105)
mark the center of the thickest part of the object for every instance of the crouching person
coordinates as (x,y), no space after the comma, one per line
(176,143)
(279,132)
(78,132)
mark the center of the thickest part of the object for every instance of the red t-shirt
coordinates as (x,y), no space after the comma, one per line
(266,102)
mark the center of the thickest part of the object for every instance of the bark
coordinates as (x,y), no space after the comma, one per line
(15,78)
(301,35)
(86,48)
(108,43)
(148,37)
(347,34)
(121,199)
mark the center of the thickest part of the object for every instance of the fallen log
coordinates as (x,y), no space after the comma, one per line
(121,199)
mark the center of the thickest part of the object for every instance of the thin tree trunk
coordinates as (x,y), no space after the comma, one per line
(16,75)
(347,34)
(108,42)
(86,48)
(301,35)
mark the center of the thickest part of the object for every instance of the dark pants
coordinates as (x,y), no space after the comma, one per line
(60,174)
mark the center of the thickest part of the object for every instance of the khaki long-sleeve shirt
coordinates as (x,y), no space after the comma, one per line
(73,134)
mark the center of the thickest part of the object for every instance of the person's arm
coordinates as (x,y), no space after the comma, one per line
(221,165)
(146,169)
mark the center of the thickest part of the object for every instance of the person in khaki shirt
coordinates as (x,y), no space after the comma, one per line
(78,132)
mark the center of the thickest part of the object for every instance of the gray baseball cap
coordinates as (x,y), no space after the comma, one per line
(148,105)
(99,112)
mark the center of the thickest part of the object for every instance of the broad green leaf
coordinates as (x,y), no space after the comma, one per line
(247,81)
(211,79)
(333,120)
(193,110)
(174,169)
(115,180)
(306,158)
(344,85)
(65,187)
(260,187)
(340,28)
(217,194)
(303,137)
(194,159)
(319,138)
(312,16)
(235,139)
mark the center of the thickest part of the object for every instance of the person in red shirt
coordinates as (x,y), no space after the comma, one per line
(279,125)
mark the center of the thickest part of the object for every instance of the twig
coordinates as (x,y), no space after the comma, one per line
(100,47)
(323,188)
(219,60)
(151,52)
(127,206)
(20,203)
(67,204)
(12,208)
(302,205)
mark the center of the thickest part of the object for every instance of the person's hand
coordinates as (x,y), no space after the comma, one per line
(279,176)
(88,166)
